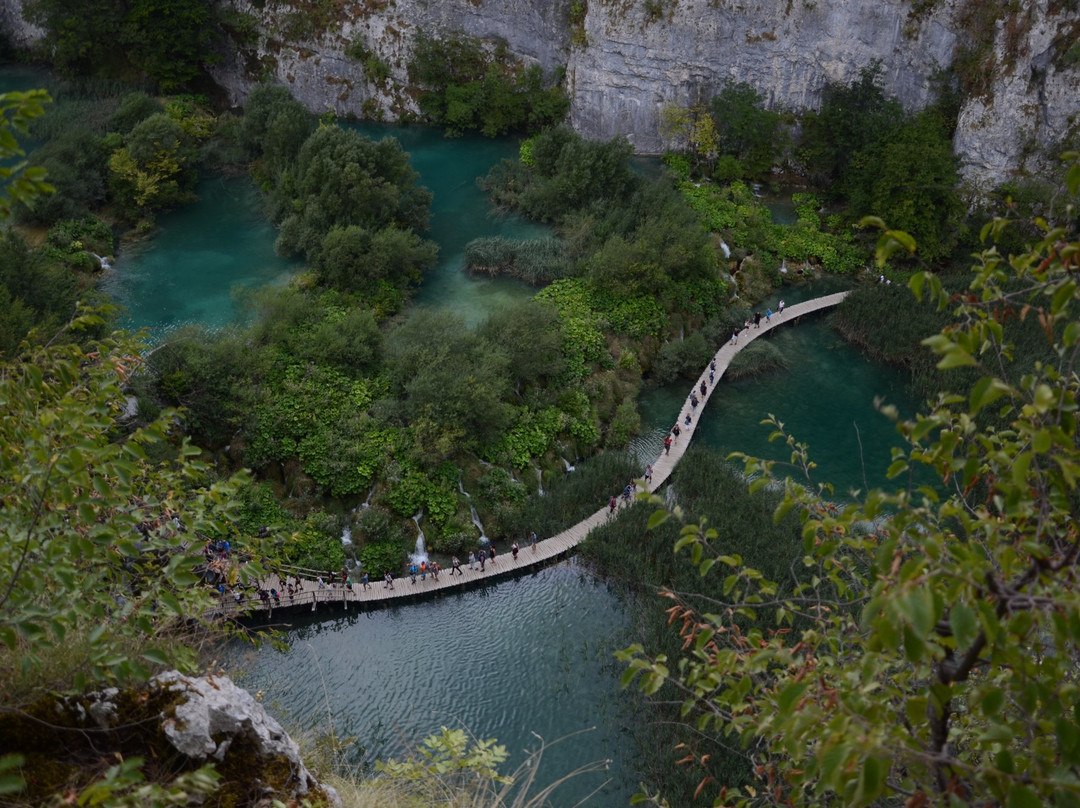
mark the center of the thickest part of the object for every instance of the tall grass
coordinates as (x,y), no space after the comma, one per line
(535,261)
(575,495)
(756,358)
(711,489)
(451,790)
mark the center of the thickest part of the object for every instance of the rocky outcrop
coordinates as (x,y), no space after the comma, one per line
(212,716)
(626,59)
(175,724)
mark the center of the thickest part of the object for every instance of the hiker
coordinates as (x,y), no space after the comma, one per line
(455,566)
(364,580)
(757,319)
(612,505)
(780,308)
(768,315)
(667,444)
(532,538)
(648,475)
(388,580)
(472,560)
(703,389)
(514,550)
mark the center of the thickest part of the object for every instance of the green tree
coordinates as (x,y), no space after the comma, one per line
(274,127)
(168,41)
(93,560)
(155,169)
(927,653)
(342,178)
(746,129)
(910,180)
(851,118)
(448,376)
(355,259)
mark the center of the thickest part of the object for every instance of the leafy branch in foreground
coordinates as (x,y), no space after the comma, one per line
(929,653)
(102,532)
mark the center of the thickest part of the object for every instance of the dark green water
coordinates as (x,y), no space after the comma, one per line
(825,398)
(530,655)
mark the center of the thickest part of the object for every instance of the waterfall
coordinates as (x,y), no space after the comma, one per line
(367,502)
(725,249)
(569,466)
(420,553)
(539,481)
(783,265)
(346,536)
(103,261)
(476,521)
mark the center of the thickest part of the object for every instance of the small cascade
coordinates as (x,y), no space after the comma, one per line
(103,261)
(484,540)
(346,536)
(783,265)
(569,466)
(367,502)
(725,249)
(539,481)
(669,497)
(420,552)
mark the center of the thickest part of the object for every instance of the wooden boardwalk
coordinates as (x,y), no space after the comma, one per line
(339,597)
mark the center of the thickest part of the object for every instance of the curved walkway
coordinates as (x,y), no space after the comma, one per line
(341,597)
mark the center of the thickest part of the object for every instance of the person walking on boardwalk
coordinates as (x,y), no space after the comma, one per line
(757,319)
(388,580)
(648,475)
(482,556)
(491,553)
(365,581)
(434,569)
(667,444)
(735,336)
(423,571)
(676,431)
(532,538)
(703,389)
(768,315)
(412,572)
(455,566)
(712,376)
(780,309)
(693,401)
(472,560)
(687,419)
(612,504)
(514,550)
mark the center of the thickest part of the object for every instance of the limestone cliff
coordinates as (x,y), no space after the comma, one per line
(626,59)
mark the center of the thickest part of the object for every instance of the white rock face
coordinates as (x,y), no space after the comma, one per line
(626,59)
(1031,107)
(217,707)
(634,65)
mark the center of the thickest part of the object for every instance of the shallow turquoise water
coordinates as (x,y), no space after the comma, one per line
(198,260)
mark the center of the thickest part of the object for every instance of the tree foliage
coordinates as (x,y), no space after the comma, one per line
(168,41)
(928,649)
(101,539)
(21,183)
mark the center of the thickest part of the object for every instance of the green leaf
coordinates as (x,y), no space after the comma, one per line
(964,625)
(1023,797)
